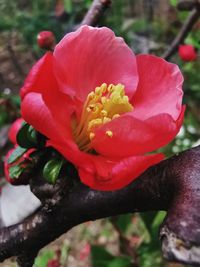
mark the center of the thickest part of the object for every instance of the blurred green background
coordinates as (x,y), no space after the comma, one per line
(148,26)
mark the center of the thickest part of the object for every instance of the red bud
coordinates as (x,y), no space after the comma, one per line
(187,52)
(46,40)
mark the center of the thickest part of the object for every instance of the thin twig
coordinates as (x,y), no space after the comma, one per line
(186,28)
(95,12)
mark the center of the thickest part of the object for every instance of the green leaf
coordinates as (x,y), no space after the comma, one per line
(100,257)
(149,258)
(15,171)
(52,169)
(173,3)
(156,223)
(152,221)
(26,136)
(16,154)
(121,262)
(148,218)
(124,221)
(43,258)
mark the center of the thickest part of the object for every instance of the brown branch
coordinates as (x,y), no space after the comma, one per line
(95,12)
(187,5)
(184,31)
(172,185)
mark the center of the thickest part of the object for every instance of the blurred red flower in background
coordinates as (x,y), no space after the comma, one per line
(187,52)
(53,263)
(102,107)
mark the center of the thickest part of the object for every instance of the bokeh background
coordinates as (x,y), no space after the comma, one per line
(148,26)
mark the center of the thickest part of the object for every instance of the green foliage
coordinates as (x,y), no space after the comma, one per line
(52,169)
(123,222)
(100,257)
(43,258)
(26,137)
(16,154)
(149,250)
(15,171)
(173,2)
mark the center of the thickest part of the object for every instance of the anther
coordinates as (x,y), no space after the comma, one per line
(109,133)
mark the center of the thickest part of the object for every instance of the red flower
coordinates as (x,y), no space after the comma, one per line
(14,130)
(102,107)
(187,52)
(46,40)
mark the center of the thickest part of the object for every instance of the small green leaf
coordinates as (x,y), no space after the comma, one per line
(26,136)
(32,135)
(16,154)
(43,258)
(52,169)
(15,171)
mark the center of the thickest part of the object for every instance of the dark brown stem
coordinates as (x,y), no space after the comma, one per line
(171,185)
(184,31)
(185,5)
(95,12)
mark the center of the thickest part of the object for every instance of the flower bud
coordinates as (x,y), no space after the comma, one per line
(187,52)
(24,162)
(15,127)
(46,40)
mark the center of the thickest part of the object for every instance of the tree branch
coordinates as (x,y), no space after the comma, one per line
(95,12)
(184,31)
(172,185)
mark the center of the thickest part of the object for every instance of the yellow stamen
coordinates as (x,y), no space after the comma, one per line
(104,104)
(92,135)
(109,133)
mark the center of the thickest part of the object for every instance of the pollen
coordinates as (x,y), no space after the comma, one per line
(104,104)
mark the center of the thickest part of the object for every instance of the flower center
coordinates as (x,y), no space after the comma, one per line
(102,105)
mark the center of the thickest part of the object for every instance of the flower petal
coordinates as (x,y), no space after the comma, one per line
(119,174)
(102,173)
(41,77)
(135,137)
(91,56)
(35,112)
(159,89)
